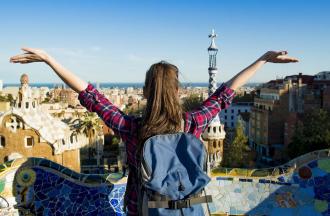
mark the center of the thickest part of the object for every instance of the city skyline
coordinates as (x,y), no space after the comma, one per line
(114,42)
(254,147)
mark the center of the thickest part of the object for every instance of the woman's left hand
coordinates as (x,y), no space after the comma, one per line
(278,57)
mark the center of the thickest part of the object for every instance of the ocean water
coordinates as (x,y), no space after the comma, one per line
(116,85)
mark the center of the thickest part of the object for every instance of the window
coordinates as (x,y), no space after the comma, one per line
(239,111)
(29,141)
(231,117)
(226,117)
(232,124)
(232,111)
(245,110)
(2,142)
(225,111)
(26,105)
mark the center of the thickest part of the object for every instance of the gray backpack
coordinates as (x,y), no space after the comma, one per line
(172,176)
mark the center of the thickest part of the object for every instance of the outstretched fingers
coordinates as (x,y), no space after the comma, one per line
(25,58)
(279,57)
(287,59)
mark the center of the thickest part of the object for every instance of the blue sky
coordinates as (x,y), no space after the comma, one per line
(116,41)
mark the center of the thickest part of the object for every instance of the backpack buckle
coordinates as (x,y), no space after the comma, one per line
(178,204)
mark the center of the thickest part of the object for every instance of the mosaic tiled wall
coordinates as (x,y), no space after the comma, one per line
(304,192)
(40,187)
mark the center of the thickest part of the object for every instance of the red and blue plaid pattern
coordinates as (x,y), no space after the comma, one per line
(126,126)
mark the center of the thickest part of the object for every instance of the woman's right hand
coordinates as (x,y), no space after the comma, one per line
(30,55)
(37,55)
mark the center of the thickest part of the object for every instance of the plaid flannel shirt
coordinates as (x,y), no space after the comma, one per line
(125,126)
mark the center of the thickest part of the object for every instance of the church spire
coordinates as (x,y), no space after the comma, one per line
(212,50)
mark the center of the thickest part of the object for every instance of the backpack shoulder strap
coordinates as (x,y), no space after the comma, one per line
(182,125)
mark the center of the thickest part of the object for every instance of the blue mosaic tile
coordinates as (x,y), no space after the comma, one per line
(281,179)
(303,184)
(237,190)
(296,179)
(286,195)
(310,182)
(54,195)
(313,164)
(319,181)
(252,196)
(265,181)
(225,178)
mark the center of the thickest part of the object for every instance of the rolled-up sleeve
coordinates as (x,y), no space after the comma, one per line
(113,117)
(199,118)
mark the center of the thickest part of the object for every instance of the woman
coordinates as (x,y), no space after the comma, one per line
(163,111)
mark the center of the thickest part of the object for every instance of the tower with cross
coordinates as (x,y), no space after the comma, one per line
(213,70)
(214,135)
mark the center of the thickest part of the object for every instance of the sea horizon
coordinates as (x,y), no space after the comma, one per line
(119,84)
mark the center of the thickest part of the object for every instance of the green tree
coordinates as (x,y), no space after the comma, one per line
(88,124)
(235,156)
(191,102)
(115,140)
(134,110)
(313,133)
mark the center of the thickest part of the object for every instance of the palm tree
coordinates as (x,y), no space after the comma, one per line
(90,125)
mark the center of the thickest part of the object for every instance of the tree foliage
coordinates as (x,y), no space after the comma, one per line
(115,140)
(191,102)
(135,110)
(87,124)
(236,154)
(313,133)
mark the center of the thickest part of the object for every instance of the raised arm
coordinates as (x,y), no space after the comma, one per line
(37,55)
(271,56)
(89,97)
(199,119)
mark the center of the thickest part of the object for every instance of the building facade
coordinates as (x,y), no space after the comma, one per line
(230,115)
(27,131)
(64,95)
(279,105)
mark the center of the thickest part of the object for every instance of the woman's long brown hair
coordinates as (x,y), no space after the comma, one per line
(163,112)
